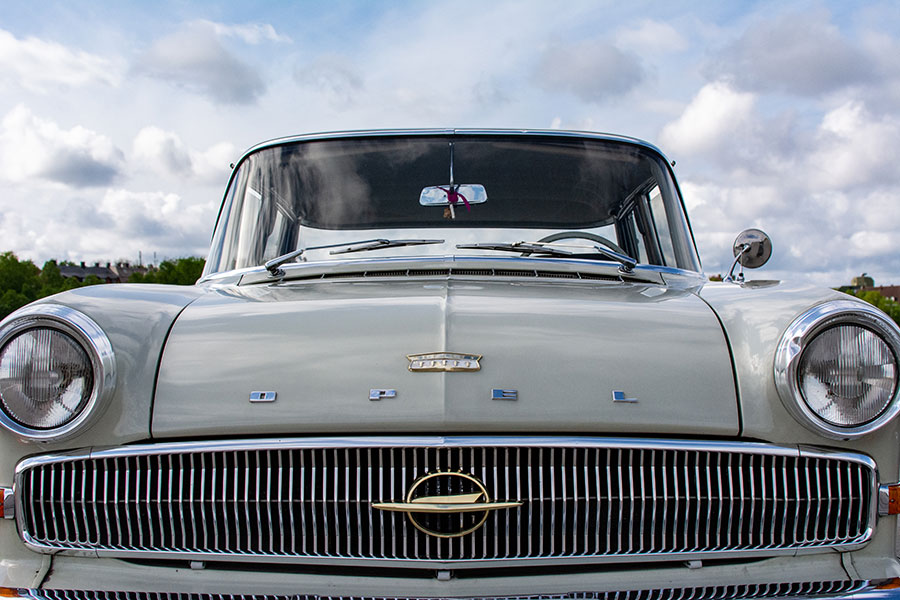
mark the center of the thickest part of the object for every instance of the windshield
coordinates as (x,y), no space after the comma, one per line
(523,188)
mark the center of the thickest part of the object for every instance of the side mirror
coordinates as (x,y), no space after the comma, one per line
(752,249)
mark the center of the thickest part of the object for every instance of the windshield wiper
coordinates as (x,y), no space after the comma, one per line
(379,244)
(529,248)
(274,265)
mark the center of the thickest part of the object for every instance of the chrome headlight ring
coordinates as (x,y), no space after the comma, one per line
(92,340)
(797,338)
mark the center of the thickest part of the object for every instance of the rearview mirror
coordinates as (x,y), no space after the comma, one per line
(445,195)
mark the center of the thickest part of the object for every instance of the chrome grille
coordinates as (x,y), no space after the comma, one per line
(721,592)
(583,499)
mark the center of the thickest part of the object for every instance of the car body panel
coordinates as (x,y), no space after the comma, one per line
(565,347)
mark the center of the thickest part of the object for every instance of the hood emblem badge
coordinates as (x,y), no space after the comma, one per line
(448,362)
(446,504)
(619,396)
(263,396)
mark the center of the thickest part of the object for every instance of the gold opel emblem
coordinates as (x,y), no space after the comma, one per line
(450,362)
(446,504)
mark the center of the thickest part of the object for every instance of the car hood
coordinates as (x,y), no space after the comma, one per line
(565,348)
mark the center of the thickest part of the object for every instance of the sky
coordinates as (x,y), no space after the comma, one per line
(119,120)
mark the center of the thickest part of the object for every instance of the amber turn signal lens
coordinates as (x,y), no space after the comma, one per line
(893,507)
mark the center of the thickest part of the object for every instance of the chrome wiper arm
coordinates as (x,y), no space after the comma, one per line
(384,243)
(274,265)
(627,263)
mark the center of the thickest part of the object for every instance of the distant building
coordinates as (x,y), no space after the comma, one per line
(111,273)
(862,282)
(891,292)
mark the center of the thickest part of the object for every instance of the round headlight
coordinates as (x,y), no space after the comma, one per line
(56,368)
(836,369)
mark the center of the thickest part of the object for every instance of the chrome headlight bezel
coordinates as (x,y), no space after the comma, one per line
(93,341)
(797,338)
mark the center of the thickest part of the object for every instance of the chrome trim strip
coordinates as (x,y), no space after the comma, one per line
(435,441)
(802,331)
(611,446)
(884,500)
(439,441)
(493,562)
(95,344)
(333,268)
(558,133)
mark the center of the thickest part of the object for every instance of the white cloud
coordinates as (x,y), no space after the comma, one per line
(873,244)
(213,164)
(41,66)
(250,33)
(32,147)
(334,77)
(593,70)
(801,53)
(713,119)
(855,148)
(164,152)
(831,234)
(193,58)
(103,224)
(145,213)
(651,36)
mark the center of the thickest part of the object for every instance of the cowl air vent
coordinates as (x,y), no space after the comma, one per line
(507,273)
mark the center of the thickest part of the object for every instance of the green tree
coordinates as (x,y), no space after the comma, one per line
(181,271)
(19,283)
(11,300)
(51,279)
(891,308)
(92,280)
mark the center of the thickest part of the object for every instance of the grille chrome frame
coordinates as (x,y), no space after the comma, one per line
(624,512)
(738,591)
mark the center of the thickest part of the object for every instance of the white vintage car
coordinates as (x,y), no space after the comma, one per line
(450,363)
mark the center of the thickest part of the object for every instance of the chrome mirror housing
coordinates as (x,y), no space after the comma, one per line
(752,249)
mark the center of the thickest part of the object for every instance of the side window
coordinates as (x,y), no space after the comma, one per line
(631,231)
(663,233)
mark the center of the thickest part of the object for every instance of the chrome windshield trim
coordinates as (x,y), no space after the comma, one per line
(549,133)
(331,135)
